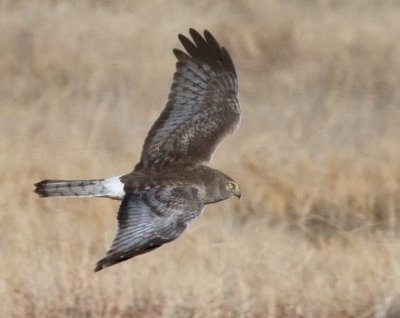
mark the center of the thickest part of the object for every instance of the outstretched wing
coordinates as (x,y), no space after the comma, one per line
(149,219)
(202,106)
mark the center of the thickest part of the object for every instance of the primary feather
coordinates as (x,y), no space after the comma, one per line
(202,105)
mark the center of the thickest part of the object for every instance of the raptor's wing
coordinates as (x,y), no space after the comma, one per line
(202,105)
(151,218)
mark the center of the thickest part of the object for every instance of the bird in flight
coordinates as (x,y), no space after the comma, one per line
(172,182)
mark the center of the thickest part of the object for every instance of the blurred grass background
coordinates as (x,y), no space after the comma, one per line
(316,155)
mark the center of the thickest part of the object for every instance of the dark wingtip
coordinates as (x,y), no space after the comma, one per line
(207,33)
(40,188)
(181,36)
(206,49)
(99,267)
(189,46)
(180,55)
(210,38)
(197,38)
(104,262)
(228,60)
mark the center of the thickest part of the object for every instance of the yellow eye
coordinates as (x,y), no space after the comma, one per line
(230,186)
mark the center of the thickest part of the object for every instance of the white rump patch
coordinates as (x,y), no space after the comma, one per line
(114,188)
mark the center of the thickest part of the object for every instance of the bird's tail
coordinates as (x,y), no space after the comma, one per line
(111,188)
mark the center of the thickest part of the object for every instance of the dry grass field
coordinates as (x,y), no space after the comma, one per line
(317,157)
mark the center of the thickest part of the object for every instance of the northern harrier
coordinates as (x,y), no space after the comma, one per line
(172,182)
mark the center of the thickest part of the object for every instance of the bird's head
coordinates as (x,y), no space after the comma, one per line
(232,187)
(218,186)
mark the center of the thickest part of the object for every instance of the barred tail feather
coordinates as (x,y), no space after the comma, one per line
(111,188)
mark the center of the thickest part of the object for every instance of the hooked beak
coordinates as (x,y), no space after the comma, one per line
(238,194)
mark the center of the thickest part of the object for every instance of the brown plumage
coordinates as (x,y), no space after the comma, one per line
(172,182)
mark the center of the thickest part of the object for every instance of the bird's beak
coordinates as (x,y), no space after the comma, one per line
(238,194)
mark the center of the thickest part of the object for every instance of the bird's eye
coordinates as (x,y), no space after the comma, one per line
(230,186)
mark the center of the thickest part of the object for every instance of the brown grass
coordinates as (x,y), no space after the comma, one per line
(317,157)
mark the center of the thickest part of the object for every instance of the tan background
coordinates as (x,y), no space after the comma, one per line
(317,158)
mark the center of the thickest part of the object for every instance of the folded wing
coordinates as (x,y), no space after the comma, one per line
(150,219)
(202,105)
